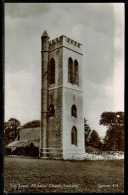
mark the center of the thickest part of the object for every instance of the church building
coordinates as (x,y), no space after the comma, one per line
(62,120)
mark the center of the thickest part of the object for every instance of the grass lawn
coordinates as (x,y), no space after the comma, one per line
(37,175)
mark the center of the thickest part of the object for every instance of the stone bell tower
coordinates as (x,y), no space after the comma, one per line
(62,121)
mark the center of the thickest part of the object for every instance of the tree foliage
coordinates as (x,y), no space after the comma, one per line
(11,130)
(114,138)
(91,136)
(94,140)
(87,131)
(111,119)
(32,124)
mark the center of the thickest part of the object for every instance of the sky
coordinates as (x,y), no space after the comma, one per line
(100,29)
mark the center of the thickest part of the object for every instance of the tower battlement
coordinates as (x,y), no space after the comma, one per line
(68,40)
(64,41)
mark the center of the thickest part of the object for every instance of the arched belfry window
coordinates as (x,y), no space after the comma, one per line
(51,72)
(51,110)
(73,71)
(76,72)
(74,111)
(74,136)
(70,70)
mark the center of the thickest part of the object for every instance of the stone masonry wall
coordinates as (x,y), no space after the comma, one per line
(71,97)
(55,97)
(55,122)
(72,94)
(63,95)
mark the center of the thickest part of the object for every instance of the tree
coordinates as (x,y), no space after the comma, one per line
(11,130)
(111,119)
(94,140)
(32,124)
(114,138)
(87,131)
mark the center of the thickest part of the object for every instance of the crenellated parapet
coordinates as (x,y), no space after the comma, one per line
(64,41)
(68,40)
(54,41)
(72,42)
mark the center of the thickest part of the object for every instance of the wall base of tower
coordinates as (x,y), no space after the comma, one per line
(73,154)
(51,153)
(58,153)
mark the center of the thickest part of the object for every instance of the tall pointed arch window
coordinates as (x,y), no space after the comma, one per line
(51,110)
(70,70)
(51,72)
(74,136)
(73,71)
(76,72)
(74,111)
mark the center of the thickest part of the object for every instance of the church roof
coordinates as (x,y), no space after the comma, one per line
(45,34)
(26,135)
(16,143)
(30,134)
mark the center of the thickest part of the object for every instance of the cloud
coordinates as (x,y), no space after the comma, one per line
(21,91)
(98,98)
(96,15)
(119,58)
(93,25)
(23,10)
(25,36)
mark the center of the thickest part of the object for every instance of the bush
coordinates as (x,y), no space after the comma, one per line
(7,151)
(32,151)
(91,150)
(18,151)
(27,151)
